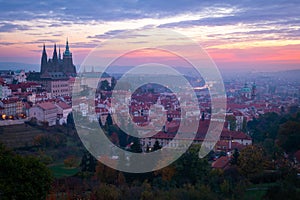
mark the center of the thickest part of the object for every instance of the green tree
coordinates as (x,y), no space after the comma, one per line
(289,136)
(104,85)
(232,122)
(22,177)
(266,126)
(109,120)
(136,146)
(190,168)
(156,146)
(70,119)
(88,163)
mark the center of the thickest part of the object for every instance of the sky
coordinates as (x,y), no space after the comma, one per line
(253,34)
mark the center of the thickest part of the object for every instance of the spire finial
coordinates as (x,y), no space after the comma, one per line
(67,51)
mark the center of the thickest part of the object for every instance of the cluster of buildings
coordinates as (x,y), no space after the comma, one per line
(44,95)
(47,97)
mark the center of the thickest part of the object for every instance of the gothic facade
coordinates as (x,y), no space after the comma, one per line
(57,64)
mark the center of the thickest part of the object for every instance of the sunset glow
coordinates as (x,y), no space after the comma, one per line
(239,33)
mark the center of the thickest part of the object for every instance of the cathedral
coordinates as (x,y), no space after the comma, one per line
(56,73)
(62,65)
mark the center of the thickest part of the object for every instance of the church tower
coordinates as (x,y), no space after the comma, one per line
(55,58)
(254,91)
(69,67)
(59,54)
(44,64)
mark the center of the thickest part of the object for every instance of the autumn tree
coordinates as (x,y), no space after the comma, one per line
(250,161)
(70,161)
(106,174)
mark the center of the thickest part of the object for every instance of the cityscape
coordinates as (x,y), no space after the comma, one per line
(152,124)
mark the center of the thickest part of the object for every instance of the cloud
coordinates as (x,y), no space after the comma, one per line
(83,45)
(42,41)
(6,43)
(106,35)
(10,27)
(81,12)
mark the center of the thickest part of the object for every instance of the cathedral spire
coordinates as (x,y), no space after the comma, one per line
(44,60)
(59,54)
(54,58)
(44,49)
(67,51)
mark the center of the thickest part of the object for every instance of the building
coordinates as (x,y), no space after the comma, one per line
(246,92)
(57,64)
(45,112)
(56,83)
(20,76)
(55,72)
(221,163)
(63,111)
(5,91)
(11,107)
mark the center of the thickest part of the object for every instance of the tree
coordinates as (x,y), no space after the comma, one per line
(136,146)
(70,161)
(22,177)
(250,161)
(106,191)
(104,85)
(113,82)
(202,116)
(244,125)
(266,126)
(100,122)
(289,136)
(109,120)
(156,146)
(189,168)
(232,122)
(235,157)
(88,163)
(106,174)
(70,119)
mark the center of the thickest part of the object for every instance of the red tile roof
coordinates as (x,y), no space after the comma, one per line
(46,106)
(221,163)
(227,134)
(63,105)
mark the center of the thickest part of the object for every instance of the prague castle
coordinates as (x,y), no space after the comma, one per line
(57,64)
(56,73)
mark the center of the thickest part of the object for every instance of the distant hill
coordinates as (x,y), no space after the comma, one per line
(18,66)
(291,75)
